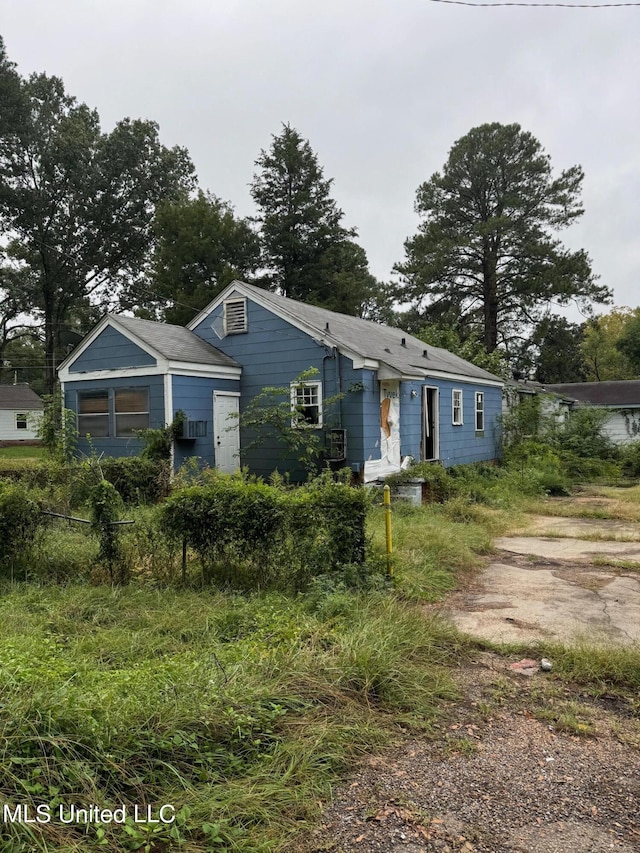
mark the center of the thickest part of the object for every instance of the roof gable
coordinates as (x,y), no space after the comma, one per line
(19,397)
(162,342)
(398,351)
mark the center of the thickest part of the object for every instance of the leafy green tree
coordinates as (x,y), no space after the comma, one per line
(14,304)
(77,204)
(308,253)
(485,252)
(604,359)
(23,360)
(201,247)
(470,348)
(629,342)
(560,357)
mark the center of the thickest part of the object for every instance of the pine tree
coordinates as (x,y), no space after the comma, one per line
(486,254)
(308,253)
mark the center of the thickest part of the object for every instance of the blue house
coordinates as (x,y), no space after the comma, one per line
(377,396)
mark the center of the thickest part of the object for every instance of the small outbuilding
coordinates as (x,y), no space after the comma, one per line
(20,408)
(620,399)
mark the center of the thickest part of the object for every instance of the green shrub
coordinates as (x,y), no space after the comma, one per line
(630,459)
(588,468)
(63,552)
(138,479)
(106,505)
(582,433)
(250,535)
(228,522)
(20,518)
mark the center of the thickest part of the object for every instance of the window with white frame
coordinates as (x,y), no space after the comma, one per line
(306,404)
(93,413)
(21,420)
(456,407)
(235,316)
(132,410)
(479,411)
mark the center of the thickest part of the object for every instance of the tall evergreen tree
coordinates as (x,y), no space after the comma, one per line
(308,253)
(485,251)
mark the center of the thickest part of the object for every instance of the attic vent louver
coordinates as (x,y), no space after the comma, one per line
(235,316)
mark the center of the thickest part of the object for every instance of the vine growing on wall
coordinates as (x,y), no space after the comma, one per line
(272,413)
(158,442)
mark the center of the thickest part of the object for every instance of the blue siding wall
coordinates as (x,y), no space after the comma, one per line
(113,446)
(360,390)
(194,395)
(458,444)
(370,415)
(272,353)
(111,351)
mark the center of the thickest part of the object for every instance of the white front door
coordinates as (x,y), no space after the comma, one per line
(226,431)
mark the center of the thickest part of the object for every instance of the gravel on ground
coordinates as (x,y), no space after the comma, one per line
(499,776)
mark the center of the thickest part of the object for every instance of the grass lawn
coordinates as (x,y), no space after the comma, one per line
(18,451)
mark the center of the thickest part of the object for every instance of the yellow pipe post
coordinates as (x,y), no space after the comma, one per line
(387,522)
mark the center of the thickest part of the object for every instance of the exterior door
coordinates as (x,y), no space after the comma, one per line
(430,418)
(226,431)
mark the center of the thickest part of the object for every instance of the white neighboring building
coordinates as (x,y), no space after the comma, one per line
(621,399)
(19,407)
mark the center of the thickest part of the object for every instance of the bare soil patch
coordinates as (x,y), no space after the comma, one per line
(498,776)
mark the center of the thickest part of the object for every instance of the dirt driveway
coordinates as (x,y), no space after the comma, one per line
(521,764)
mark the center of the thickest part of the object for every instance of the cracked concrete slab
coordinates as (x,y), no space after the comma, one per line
(549,588)
(569,549)
(606,529)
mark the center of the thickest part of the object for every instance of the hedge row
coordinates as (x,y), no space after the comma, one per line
(249,534)
(138,480)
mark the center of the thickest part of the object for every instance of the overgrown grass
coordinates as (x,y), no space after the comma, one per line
(601,668)
(602,502)
(240,712)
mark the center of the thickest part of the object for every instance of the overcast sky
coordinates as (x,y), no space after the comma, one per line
(380,88)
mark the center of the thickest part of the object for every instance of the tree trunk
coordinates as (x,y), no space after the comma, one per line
(49,353)
(490,299)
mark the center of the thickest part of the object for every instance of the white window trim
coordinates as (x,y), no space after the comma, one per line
(479,410)
(235,302)
(24,418)
(454,392)
(295,423)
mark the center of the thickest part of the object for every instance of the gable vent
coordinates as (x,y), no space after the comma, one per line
(235,316)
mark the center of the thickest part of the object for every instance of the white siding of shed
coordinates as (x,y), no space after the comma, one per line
(8,431)
(622,427)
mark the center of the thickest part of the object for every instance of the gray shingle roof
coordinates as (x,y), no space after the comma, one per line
(174,342)
(616,393)
(19,397)
(399,350)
